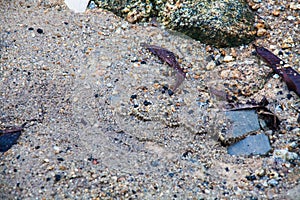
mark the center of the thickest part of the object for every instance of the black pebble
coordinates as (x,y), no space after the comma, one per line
(134,96)
(143,62)
(57,177)
(289,96)
(170,92)
(60,159)
(147,103)
(251,178)
(218,62)
(40,31)
(66,23)
(30,29)
(96,95)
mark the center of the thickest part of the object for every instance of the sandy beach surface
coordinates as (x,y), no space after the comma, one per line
(106,128)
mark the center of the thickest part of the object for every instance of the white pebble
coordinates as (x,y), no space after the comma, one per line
(109,85)
(276,76)
(269,85)
(228,58)
(290,18)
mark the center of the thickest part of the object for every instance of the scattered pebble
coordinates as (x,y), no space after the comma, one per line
(39,30)
(228,58)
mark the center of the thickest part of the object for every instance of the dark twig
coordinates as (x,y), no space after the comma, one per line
(288,74)
(170,58)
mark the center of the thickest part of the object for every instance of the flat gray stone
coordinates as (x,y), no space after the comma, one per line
(243,122)
(251,145)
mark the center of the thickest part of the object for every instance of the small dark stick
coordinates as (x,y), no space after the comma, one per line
(290,76)
(272,60)
(170,58)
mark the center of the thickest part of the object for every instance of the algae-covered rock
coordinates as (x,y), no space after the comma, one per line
(222,23)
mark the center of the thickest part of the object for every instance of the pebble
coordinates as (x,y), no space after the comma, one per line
(243,122)
(273,182)
(285,155)
(295,6)
(228,58)
(251,145)
(290,18)
(211,65)
(40,31)
(276,76)
(276,13)
(261,32)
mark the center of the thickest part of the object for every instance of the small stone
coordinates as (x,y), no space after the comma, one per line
(286,46)
(255,6)
(276,76)
(233,52)
(260,172)
(211,65)
(57,177)
(290,18)
(134,96)
(260,25)
(293,145)
(56,149)
(228,59)
(261,32)
(295,6)
(276,13)
(147,103)
(251,145)
(92,5)
(243,122)
(224,74)
(159,37)
(40,31)
(285,155)
(124,26)
(273,182)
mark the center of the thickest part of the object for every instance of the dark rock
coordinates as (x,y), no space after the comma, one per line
(40,31)
(251,145)
(57,177)
(220,23)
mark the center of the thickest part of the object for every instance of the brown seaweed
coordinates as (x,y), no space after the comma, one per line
(290,76)
(170,58)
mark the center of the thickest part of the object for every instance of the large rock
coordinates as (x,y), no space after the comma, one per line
(221,23)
